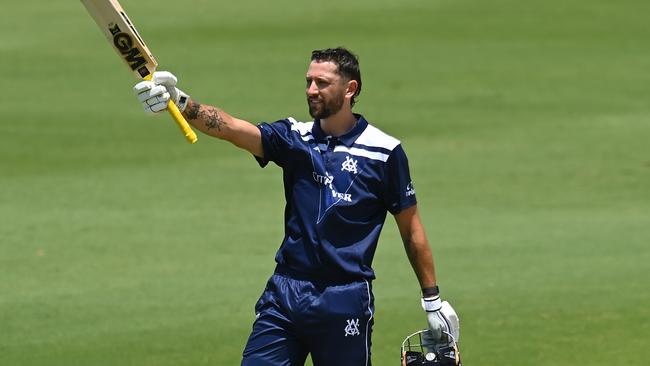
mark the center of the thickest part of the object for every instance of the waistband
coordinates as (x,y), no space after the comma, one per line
(318,278)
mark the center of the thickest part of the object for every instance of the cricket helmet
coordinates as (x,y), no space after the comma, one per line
(419,350)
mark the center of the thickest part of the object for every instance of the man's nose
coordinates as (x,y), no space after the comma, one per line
(312,90)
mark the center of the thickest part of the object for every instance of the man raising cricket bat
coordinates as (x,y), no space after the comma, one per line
(341,177)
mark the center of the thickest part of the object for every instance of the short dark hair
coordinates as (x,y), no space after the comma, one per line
(347,64)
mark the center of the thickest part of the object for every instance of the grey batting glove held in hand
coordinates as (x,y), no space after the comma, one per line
(444,324)
(155,93)
(437,322)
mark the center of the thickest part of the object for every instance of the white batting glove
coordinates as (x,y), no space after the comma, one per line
(444,323)
(437,323)
(155,93)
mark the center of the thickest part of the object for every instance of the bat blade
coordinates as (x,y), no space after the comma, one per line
(126,41)
(122,35)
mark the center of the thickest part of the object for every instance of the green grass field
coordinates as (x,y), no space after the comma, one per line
(526,123)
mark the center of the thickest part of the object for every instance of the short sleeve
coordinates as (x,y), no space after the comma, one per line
(399,191)
(276,142)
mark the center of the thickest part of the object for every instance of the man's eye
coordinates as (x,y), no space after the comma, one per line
(320,84)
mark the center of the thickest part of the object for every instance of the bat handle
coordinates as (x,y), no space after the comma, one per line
(179,119)
(181,122)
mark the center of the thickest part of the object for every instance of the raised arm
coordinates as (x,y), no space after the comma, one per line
(210,120)
(217,123)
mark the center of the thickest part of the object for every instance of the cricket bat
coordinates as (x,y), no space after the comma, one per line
(128,44)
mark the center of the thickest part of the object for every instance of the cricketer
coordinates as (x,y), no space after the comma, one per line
(341,177)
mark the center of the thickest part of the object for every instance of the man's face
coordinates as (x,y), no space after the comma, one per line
(326,89)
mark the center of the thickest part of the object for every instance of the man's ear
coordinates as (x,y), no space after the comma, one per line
(353,86)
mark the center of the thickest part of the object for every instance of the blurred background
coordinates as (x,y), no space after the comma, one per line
(526,124)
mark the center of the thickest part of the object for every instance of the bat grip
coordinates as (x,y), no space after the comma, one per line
(181,122)
(190,135)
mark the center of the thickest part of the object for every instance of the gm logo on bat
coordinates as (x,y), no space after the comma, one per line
(124,43)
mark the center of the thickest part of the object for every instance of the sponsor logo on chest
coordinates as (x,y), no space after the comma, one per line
(342,196)
(327,180)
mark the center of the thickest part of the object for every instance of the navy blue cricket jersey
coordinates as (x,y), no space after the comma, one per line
(338,190)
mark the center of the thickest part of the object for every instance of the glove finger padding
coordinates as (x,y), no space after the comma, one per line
(152,92)
(143,86)
(153,97)
(156,93)
(156,104)
(165,78)
(169,81)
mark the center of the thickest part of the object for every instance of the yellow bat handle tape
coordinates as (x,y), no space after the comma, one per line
(190,135)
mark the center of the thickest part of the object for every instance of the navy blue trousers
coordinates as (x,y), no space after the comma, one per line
(297,317)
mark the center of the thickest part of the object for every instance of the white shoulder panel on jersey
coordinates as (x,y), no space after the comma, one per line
(303,128)
(374,137)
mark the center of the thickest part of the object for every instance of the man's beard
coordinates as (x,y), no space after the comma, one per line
(323,109)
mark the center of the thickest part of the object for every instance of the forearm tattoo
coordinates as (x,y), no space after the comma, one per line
(210,115)
(193,110)
(213,119)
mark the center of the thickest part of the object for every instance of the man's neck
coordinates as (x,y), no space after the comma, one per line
(338,124)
